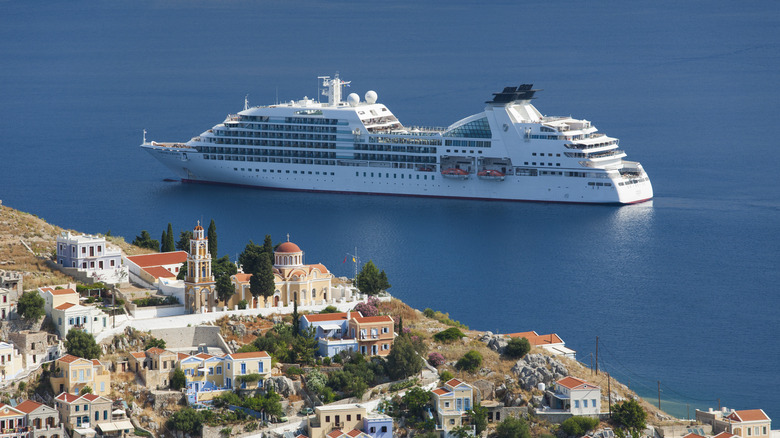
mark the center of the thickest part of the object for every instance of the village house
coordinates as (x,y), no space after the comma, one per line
(13,422)
(751,423)
(12,280)
(154,366)
(374,334)
(36,347)
(90,255)
(54,297)
(72,373)
(8,299)
(147,269)
(10,361)
(575,396)
(43,420)
(452,401)
(378,425)
(75,316)
(327,419)
(350,331)
(208,375)
(81,414)
(550,342)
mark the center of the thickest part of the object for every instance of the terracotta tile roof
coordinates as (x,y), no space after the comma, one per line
(159,272)
(573,382)
(96,362)
(749,415)
(724,434)
(242,278)
(288,247)
(67,397)
(68,358)
(90,397)
(155,350)
(65,306)
(320,267)
(63,291)
(369,319)
(453,382)
(138,354)
(320,317)
(163,258)
(248,355)
(692,435)
(354,432)
(536,339)
(203,356)
(28,406)
(301,436)
(440,391)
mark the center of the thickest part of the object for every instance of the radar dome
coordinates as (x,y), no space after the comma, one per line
(353,99)
(371,96)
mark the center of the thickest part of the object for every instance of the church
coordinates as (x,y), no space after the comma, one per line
(294,281)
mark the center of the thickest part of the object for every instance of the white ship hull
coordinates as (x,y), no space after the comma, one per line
(360,147)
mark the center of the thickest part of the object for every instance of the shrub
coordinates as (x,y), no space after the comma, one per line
(513,427)
(445,376)
(436,359)
(517,348)
(326,361)
(294,371)
(330,309)
(470,362)
(369,308)
(579,426)
(242,304)
(449,335)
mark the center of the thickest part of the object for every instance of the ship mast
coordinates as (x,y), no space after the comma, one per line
(333,89)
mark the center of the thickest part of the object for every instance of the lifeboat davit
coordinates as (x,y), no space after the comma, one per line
(491,175)
(454,173)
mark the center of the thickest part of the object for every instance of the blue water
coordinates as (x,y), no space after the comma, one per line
(683,291)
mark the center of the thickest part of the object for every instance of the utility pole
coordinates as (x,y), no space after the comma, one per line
(609,393)
(659,395)
(591,364)
(597,355)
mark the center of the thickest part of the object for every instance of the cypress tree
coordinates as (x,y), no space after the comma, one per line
(296,323)
(268,246)
(163,239)
(170,244)
(212,236)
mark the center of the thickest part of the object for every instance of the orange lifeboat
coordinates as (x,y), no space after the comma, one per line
(454,173)
(491,175)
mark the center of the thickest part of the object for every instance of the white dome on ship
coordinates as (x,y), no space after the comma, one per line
(371,96)
(353,99)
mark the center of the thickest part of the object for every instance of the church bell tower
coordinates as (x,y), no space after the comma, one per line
(199,285)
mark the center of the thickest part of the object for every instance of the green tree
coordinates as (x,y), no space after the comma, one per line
(470,361)
(223,267)
(212,236)
(330,309)
(513,427)
(272,404)
(187,420)
(178,380)
(445,376)
(225,288)
(403,361)
(449,335)
(304,347)
(262,280)
(461,432)
(415,400)
(517,348)
(183,244)
(30,306)
(479,418)
(578,426)
(370,281)
(296,321)
(629,415)
(249,259)
(82,344)
(85,390)
(154,343)
(248,348)
(167,241)
(146,241)
(268,246)
(182,271)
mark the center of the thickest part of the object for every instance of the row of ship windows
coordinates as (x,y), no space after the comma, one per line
(396,158)
(406,140)
(394,148)
(271,153)
(285,143)
(467,143)
(541,154)
(633,181)
(294,172)
(256,151)
(395,175)
(533,163)
(463,151)
(600,184)
(287,160)
(285,135)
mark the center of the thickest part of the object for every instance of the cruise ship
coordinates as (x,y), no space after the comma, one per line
(509,151)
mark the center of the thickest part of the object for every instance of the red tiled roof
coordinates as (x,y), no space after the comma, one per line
(65,306)
(138,354)
(572,382)
(440,391)
(159,272)
(335,433)
(203,356)
(368,319)
(724,434)
(248,355)
(68,358)
(354,432)
(301,436)
(749,415)
(158,259)
(453,382)
(155,350)
(692,435)
(242,278)
(90,397)
(28,406)
(62,291)
(96,362)
(319,266)
(320,317)
(182,356)
(536,339)
(288,247)
(67,397)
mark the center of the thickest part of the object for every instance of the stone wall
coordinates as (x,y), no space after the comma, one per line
(185,337)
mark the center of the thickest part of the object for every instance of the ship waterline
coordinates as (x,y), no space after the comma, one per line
(507,152)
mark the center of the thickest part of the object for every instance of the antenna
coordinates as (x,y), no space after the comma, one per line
(246,102)
(144,136)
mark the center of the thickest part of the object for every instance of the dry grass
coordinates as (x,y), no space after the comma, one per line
(397,309)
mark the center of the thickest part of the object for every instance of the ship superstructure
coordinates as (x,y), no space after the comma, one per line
(509,151)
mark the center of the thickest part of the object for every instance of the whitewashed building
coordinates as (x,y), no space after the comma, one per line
(91,255)
(576,396)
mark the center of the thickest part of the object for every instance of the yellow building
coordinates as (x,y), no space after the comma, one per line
(57,297)
(10,361)
(452,402)
(72,373)
(199,292)
(335,417)
(209,375)
(239,365)
(374,334)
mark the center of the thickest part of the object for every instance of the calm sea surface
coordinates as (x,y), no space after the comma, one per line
(683,290)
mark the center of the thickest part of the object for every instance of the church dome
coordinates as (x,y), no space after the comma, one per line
(288,247)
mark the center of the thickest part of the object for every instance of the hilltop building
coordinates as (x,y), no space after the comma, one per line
(351,331)
(36,347)
(91,256)
(550,342)
(208,375)
(74,373)
(575,396)
(751,423)
(452,401)
(148,269)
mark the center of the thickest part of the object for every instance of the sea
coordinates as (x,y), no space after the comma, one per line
(681,292)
